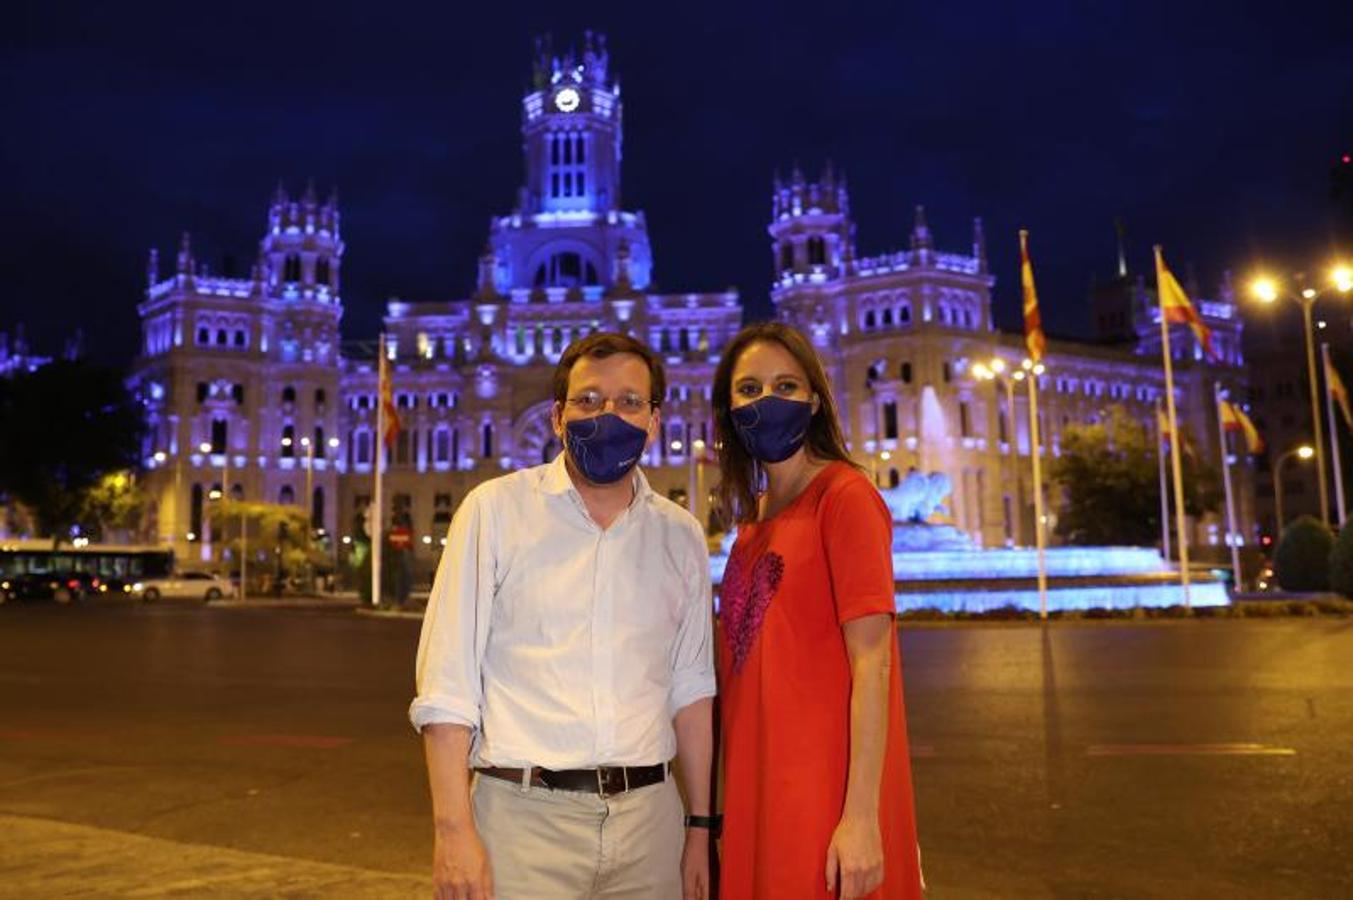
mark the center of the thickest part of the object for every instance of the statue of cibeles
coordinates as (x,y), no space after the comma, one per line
(918,497)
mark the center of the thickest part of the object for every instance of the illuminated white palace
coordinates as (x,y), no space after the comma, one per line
(246,385)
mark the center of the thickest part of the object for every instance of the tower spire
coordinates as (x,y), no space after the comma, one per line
(921,241)
(1122,248)
(979,244)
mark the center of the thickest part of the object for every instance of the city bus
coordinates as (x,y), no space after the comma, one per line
(94,567)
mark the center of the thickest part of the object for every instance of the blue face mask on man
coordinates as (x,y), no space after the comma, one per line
(604,448)
(773,429)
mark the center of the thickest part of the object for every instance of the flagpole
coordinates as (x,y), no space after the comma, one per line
(1164,487)
(1334,436)
(1231,534)
(1040,537)
(377,505)
(1175,464)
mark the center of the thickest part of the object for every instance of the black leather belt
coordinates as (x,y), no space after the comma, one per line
(605,781)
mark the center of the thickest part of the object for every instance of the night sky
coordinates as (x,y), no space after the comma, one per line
(1208,127)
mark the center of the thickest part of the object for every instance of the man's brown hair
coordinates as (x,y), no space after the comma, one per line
(602,345)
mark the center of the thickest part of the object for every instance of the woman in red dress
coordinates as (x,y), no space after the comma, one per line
(817,779)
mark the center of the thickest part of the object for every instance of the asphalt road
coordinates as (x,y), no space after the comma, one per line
(226,751)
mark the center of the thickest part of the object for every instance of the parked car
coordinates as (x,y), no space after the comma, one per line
(63,587)
(183,586)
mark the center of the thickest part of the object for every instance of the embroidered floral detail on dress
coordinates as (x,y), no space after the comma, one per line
(744,599)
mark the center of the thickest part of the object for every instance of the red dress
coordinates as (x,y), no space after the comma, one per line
(784,688)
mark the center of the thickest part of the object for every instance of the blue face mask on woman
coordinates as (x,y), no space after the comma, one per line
(773,429)
(604,448)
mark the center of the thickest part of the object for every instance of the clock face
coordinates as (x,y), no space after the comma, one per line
(566,100)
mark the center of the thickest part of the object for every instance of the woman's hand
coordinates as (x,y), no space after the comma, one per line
(855,856)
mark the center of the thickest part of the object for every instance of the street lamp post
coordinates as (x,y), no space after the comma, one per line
(1303,452)
(206,448)
(1268,291)
(996,371)
(698,462)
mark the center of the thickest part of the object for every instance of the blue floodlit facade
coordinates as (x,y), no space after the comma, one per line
(253,368)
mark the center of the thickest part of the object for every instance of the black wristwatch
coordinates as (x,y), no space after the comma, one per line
(713,824)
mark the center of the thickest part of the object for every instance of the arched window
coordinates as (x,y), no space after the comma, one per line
(319,442)
(567,270)
(195,516)
(887,315)
(288,441)
(286,496)
(905,373)
(904,313)
(817,251)
(786,256)
(320,397)
(890,420)
(488,441)
(291,268)
(322,271)
(894,479)
(288,394)
(869,321)
(317,508)
(221,338)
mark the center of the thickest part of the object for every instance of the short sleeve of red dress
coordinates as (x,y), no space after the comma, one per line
(857,539)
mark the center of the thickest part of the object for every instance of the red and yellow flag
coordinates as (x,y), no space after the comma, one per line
(387,398)
(1034,338)
(1335,385)
(1176,307)
(1233,418)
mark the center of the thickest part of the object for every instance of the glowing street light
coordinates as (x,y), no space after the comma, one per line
(1342,277)
(1267,290)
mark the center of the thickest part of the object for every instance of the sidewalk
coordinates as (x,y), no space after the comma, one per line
(43,858)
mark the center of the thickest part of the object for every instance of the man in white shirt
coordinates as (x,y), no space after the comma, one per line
(566,658)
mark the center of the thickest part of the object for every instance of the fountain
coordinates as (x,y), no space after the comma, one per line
(937,566)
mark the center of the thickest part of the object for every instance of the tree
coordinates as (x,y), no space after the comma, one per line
(1108,474)
(113,504)
(1302,560)
(65,426)
(277,538)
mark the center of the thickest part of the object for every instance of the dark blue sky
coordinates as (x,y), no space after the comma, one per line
(1208,127)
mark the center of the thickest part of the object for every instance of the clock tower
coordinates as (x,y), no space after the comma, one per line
(571,128)
(567,236)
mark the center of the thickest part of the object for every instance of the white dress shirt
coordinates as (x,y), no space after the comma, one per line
(560,644)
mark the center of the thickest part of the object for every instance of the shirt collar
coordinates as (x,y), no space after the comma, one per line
(556,480)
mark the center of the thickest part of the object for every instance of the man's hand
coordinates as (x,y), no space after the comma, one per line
(695,865)
(856,855)
(460,867)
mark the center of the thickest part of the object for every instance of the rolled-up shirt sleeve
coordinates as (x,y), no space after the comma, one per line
(693,650)
(456,623)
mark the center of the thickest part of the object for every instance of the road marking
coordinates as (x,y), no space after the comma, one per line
(322,742)
(1232,749)
(46,734)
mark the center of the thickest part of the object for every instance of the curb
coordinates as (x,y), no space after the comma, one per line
(388,613)
(341,605)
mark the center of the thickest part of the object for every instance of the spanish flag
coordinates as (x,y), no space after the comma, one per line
(387,398)
(1335,384)
(1033,322)
(1176,307)
(1233,418)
